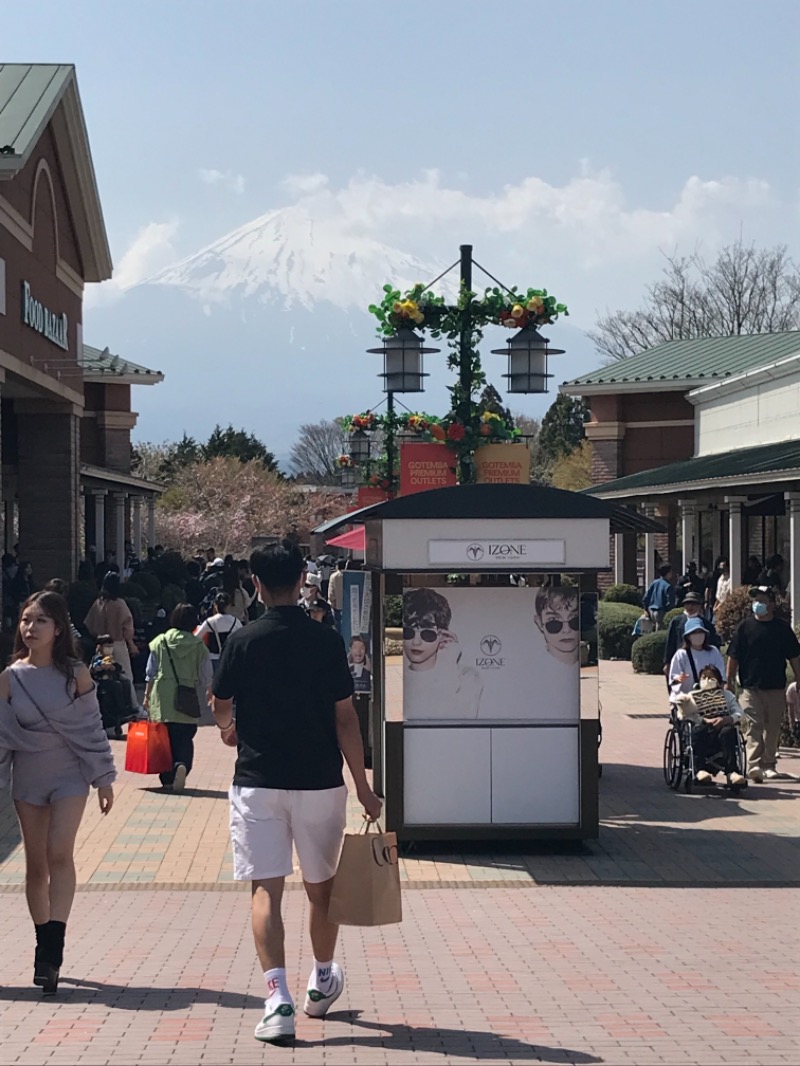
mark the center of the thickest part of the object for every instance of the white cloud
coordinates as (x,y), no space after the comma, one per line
(225,179)
(305,184)
(150,250)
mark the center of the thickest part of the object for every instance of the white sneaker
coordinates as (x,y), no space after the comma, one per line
(179,783)
(318,1003)
(756,776)
(703,777)
(737,780)
(276,1027)
(772,775)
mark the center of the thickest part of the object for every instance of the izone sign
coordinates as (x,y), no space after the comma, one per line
(37,316)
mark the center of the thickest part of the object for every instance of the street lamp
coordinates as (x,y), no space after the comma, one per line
(527,353)
(402,361)
(359,447)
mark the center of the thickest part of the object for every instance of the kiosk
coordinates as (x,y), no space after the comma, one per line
(496,733)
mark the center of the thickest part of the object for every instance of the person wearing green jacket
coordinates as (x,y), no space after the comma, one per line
(176,657)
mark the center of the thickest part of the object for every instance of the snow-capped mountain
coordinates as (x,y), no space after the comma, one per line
(267,328)
(292,258)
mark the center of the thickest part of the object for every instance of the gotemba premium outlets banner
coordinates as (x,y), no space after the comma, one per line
(426,466)
(507,464)
(491,653)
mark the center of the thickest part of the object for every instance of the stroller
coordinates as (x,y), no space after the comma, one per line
(114,692)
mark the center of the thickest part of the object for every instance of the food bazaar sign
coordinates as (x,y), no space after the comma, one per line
(52,327)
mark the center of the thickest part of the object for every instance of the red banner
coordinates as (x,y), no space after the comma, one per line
(426,466)
(371,494)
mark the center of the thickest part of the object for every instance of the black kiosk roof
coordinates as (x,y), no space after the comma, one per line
(497,501)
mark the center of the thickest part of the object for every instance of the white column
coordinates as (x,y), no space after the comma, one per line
(649,549)
(151,522)
(619,558)
(99,524)
(119,528)
(136,503)
(735,538)
(688,531)
(793,507)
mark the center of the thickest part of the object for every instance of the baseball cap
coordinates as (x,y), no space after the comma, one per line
(761,590)
(313,579)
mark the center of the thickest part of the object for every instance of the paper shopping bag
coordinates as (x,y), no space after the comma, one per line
(366,888)
(148,750)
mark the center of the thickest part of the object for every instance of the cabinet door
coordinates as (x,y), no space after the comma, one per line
(536,776)
(447,776)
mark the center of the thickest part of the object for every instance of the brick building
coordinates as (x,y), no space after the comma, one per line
(65,409)
(704,435)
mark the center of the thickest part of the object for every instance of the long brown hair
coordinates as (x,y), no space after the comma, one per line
(55,607)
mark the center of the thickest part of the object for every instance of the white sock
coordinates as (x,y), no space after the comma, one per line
(321,976)
(277,988)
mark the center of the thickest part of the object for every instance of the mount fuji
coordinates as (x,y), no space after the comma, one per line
(266,328)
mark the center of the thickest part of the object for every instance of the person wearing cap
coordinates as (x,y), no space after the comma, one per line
(687,662)
(692,608)
(761,646)
(688,582)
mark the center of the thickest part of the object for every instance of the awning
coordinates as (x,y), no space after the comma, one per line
(355,540)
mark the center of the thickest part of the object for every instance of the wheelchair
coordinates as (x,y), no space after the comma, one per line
(679,757)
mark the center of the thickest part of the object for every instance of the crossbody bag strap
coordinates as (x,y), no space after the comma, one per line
(171,663)
(27,692)
(692,664)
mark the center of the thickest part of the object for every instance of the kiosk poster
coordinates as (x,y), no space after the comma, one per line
(425,466)
(357,627)
(491,654)
(508,464)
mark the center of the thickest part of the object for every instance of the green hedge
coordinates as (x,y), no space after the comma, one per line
(393,611)
(615,622)
(623,594)
(672,614)
(647,656)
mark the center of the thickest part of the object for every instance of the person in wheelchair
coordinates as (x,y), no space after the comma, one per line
(696,652)
(714,714)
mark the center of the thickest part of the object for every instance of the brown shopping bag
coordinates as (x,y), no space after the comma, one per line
(366,888)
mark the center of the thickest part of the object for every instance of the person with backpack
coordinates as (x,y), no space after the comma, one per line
(219,625)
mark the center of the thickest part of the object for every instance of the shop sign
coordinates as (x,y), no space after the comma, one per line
(508,554)
(34,314)
(425,466)
(506,464)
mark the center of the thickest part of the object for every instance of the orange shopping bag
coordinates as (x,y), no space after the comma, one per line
(148,749)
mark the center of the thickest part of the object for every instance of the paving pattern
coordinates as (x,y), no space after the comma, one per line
(672,939)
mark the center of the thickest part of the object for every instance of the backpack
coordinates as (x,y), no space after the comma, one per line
(218,638)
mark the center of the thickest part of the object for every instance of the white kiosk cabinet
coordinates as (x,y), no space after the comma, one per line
(497,731)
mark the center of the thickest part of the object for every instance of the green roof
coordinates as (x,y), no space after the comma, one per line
(766,462)
(694,362)
(102,364)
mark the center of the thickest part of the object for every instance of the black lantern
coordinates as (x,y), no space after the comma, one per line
(527,353)
(359,446)
(349,477)
(402,361)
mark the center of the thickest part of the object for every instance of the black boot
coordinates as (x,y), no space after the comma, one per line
(39,959)
(54,956)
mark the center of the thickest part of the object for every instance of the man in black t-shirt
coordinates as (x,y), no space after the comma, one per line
(290,682)
(759,650)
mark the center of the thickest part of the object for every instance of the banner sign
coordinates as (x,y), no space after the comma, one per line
(491,654)
(357,627)
(426,466)
(509,554)
(508,464)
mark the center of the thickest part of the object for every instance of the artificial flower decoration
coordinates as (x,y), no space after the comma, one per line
(344,461)
(456,431)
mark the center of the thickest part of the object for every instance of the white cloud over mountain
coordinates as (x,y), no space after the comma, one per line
(226,179)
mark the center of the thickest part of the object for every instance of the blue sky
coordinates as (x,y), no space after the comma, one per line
(676,121)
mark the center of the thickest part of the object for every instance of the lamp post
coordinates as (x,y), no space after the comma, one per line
(527,351)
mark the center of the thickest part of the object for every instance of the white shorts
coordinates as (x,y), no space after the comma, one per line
(265,822)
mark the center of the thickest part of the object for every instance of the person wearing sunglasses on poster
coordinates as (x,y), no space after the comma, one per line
(556,617)
(435,685)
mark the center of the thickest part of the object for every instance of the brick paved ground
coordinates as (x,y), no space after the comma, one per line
(598,955)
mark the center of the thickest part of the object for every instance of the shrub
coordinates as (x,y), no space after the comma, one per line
(648,653)
(80,597)
(623,594)
(736,608)
(615,623)
(149,584)
(672,614)
(393,611)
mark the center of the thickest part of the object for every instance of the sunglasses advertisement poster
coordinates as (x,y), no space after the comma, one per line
(491,654)
(357,627)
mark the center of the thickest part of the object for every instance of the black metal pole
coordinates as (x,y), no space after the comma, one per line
(390,437)
(465,353)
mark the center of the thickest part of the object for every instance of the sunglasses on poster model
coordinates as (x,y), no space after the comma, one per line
(554,625)
(428,635)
